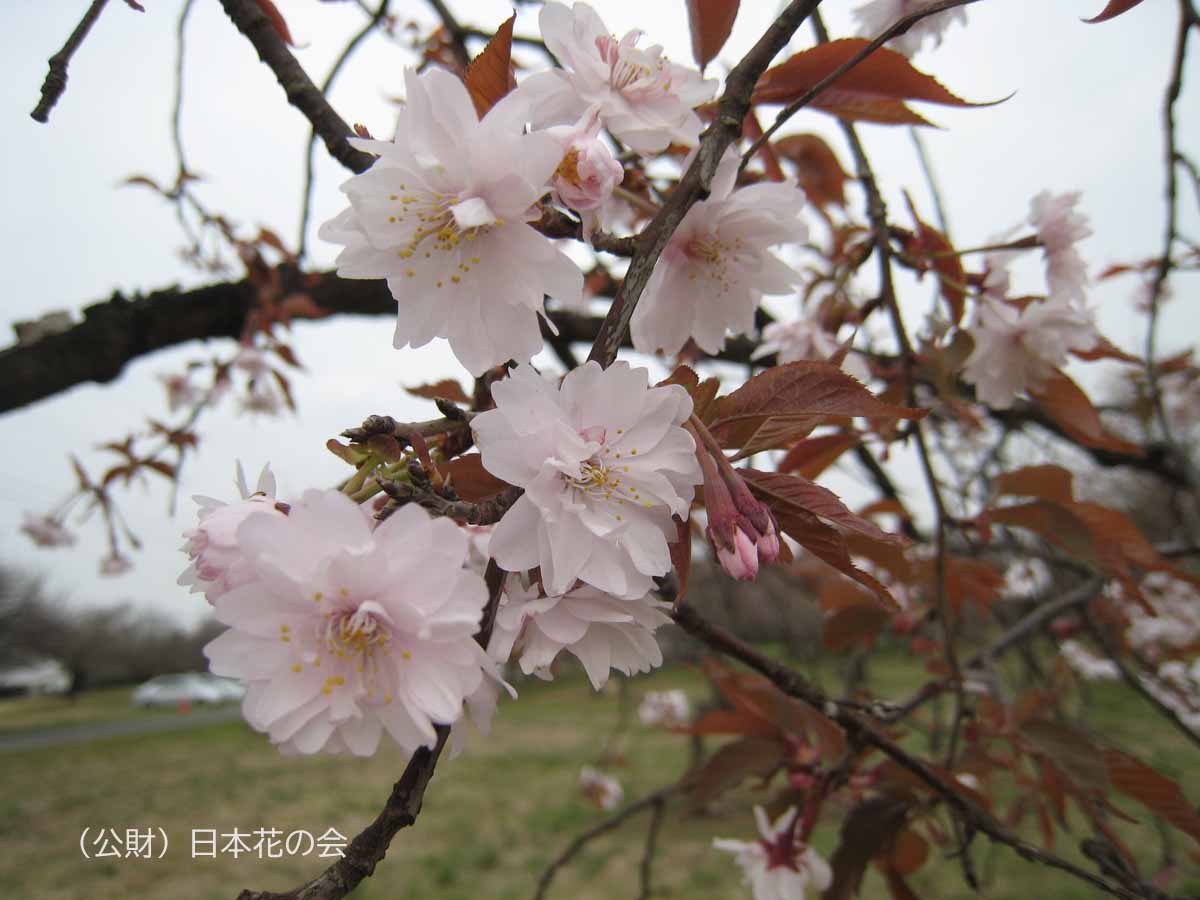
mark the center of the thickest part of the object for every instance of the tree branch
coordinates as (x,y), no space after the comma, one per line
(56,77)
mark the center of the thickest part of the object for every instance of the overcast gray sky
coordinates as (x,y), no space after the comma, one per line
(1085,116)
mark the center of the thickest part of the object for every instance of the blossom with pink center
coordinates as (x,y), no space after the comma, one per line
(643,99)
(1018,349)
(718,265)
(778,867)
(742,530)
(588,173)
(218,562)
(601,631)
(877,16)
(804,339)
(47,531)
(345,632)
(604,463)
(443,215)
(604,791)
(665,709)
(1059,228)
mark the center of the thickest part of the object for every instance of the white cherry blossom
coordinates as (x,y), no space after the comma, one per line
(718,265)
(345,632)
(1060,227)
(877,16)
(804,338)
(777,867)
(1018,349)
(606,792)
(601,631)
(666,709)
(218,563)
(47,531)
(644,100)
(604,465)
(442,215)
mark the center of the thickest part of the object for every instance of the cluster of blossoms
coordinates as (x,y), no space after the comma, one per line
(1019,345)
(1176,623)
(778,866)
(1177,686)
(877,16)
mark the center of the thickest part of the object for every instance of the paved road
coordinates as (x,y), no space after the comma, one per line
(96,731)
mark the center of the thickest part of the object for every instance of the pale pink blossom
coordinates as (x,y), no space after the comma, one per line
(443,215)
(344,631)
(601,631)
(181,393)
(1059,228)
(718,265)
(218,562)
(1018,349)
(115,565)
(804,339)
(778,866)
(604,463)
(643,99)
(877,16)
(1086,664)
(47,531)
(588,173)
(604,791)
(665,709)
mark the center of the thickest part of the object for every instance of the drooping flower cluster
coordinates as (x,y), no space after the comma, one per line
(718,265)
(601,631)
(876,16)
(341,632)
(604,465)
(645,100)
(443,216)
(778,867)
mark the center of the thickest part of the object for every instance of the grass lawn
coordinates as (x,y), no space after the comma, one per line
(492,820)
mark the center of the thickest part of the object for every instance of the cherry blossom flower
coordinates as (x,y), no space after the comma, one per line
(803,339)
(218,562)
(181,393)
(442,215)
(1059,227)
(344,632)
(116,564)
(604,465)
(1018,349)
(47,531)
(645,100)
(877,16)
(1086,664)
(602,790)
(717,266)
(588,173)
(665,709)
(601,631)
(777,867)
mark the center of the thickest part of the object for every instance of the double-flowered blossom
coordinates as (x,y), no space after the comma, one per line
(443,215)
(343,632)
(604,464)
(777,867)
(877,16)
(643,99)
(1060,227)
(219,563)
(588,174)
(601,631)
(718,264)
(1018,349)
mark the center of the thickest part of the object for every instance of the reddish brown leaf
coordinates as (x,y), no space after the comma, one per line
(1054,522)
(752,131)
(447,389)
(811,457)
(1105,349)
(854,108)
(732,764)
(934,250)
(867,832)
(795,397)
(710,21)
(733,721)
(1066,403)
(853,626)
(968,579)
(1112,10)
(885,75)
(817,168)
(908,852)
(1046,482)
(471,481)
(277,21)
(814,498)
(1070,751)
(490,76)
(1155,791)
(897,886)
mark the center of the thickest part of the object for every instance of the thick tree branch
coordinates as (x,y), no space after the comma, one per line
(301,92)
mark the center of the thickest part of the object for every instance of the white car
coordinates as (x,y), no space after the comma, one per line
(189,687)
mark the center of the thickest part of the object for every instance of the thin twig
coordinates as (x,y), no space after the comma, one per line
(56,77)
(646,870)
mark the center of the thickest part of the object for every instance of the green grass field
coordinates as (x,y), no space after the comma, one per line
(492,819)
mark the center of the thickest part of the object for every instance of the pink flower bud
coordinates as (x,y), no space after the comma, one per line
(740,560)
(587,175)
